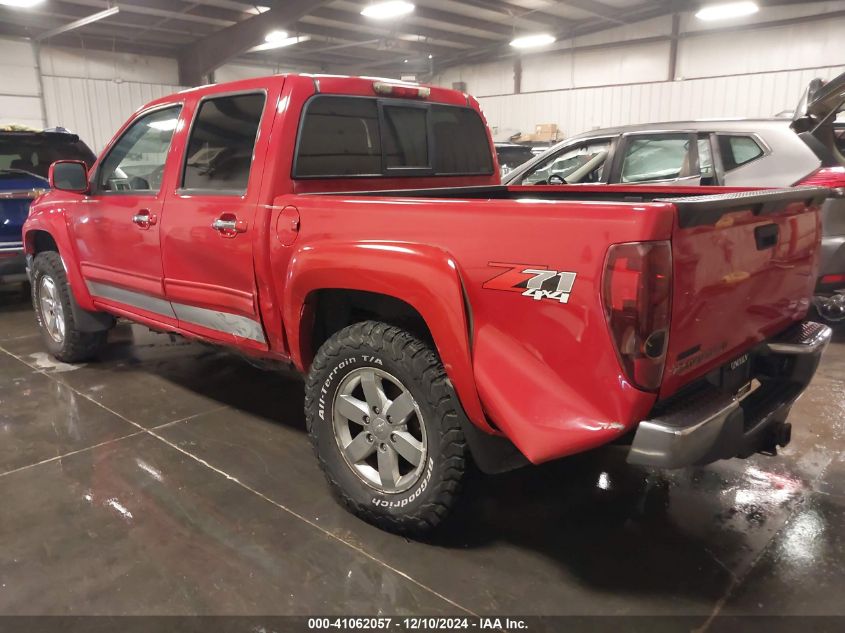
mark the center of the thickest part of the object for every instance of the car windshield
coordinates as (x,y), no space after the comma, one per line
(34,153)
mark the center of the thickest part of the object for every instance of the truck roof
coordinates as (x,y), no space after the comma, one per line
(325,84)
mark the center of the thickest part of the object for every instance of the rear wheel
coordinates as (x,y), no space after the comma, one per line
(51,300)
(383,420)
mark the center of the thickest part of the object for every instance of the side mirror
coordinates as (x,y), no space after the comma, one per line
(69,175)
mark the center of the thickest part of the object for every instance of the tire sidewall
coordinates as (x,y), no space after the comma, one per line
(326,383)
(41,268)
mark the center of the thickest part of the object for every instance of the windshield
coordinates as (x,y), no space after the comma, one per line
(34,153)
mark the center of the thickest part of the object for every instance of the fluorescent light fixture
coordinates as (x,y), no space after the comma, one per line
(387,10)
(726,11)
(275,36)
(257,10)
(532,41)
(279,43)
(21,4)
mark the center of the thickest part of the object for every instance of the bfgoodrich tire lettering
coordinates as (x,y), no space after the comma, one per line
(66,343)
(431,490)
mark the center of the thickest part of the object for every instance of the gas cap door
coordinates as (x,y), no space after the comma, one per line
(287,225)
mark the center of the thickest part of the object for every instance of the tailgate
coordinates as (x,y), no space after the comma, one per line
(744,266)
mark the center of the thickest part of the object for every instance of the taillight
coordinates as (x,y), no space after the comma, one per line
(402,91)
(831,177)
(637,296)
(832,279)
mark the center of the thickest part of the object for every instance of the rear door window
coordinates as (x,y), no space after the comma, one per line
(354,136)
(219,154)
(659,157)
(737,150)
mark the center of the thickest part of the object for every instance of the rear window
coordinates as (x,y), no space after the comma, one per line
(34,153)
(738,150)
(353,136)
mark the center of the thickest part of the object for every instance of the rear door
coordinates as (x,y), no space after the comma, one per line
(208,231)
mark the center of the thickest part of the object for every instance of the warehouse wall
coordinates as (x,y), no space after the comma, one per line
(93,93)
(20,94)
(718,73)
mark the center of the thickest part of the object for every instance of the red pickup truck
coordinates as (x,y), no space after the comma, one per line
(356,229)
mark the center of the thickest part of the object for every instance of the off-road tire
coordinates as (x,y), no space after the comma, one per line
(77,346)
(427,502)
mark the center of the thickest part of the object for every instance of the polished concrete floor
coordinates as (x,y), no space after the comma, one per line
(173,478)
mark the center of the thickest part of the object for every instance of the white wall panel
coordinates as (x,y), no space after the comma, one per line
(579,110)
(96,108)
(20,95)
(71,62)
(801,45)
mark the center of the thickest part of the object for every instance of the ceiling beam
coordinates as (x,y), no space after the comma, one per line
(200,58)
(385,43)
(597,9)
(526,18)
(356,22)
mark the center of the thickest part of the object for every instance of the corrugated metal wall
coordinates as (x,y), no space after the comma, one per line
(579,110)
(20,96)
(96,108)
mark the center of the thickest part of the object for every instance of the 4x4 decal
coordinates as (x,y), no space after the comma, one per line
(537,282)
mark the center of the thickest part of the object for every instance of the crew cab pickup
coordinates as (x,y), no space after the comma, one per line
(356,229)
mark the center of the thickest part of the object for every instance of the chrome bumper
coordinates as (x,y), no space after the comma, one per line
(711,425)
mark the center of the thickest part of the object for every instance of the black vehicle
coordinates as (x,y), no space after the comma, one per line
(512,155)
(25,159)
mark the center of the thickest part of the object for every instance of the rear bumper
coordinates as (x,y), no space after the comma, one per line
(12,263)
(712,425)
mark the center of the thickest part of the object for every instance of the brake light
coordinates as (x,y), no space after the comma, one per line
(832,279)
(830,177)
(637,297)
(401,91)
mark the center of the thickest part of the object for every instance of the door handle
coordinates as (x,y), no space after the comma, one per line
(144,219)
(228,225)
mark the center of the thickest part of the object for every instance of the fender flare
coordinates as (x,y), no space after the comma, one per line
(423,276)
(51,219)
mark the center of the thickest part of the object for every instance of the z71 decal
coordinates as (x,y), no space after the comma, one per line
(537,282)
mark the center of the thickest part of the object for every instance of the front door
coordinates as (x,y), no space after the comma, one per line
(117,232)
(208,230)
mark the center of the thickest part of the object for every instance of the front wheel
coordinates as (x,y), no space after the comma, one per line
(384,422)
(51,300)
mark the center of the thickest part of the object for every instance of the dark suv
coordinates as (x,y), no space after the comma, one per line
(25,159)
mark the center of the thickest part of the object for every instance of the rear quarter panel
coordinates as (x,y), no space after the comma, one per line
(545,371)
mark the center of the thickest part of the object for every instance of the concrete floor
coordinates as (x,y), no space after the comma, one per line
(173,478)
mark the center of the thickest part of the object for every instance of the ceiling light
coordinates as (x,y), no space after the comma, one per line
(404,61)
(726,11)
(430,56)
(387,10)
(275,36)
(278,43)
(532,41)
(21,4)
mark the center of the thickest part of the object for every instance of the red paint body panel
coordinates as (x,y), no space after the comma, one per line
(541,371)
